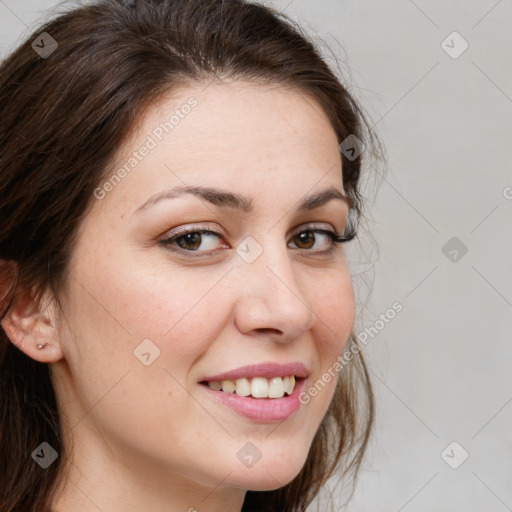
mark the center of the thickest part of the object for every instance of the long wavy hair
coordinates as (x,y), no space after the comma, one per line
(63,117)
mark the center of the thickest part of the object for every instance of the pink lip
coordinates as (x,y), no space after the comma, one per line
(261,409)
(267,370)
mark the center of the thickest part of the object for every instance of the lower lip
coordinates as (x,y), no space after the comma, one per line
(261,409)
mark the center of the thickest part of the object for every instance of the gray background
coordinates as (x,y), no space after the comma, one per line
(441,366)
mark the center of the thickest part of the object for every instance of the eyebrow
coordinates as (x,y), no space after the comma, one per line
(225,199)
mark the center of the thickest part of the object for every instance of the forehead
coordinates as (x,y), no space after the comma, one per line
(239,135)
(236,115)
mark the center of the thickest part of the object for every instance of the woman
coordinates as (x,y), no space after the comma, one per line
(177,182)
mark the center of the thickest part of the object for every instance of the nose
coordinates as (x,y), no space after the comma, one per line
(272,297)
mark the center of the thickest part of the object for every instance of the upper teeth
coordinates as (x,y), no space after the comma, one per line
(258,387)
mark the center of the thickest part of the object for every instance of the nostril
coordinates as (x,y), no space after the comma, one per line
(269,330)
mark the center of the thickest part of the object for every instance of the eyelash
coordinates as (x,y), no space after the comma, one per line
(349,234)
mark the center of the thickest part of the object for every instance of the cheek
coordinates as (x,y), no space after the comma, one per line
(178,310)
(116,302)
(333,303)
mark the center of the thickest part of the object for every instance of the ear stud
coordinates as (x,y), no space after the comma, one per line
(41,345)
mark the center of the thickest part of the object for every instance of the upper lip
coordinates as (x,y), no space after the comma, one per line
(267,370)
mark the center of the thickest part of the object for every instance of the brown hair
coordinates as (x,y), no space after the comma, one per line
(63,118)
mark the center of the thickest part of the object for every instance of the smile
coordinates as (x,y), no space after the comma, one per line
(259,409)
(257,387)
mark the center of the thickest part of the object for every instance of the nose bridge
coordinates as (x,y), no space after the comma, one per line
(271,297)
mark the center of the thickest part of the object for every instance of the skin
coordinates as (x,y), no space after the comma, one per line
(148,437)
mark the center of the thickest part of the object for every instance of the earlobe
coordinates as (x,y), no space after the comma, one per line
(32,329)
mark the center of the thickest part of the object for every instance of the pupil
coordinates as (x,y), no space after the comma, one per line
(304,235)
(189,239)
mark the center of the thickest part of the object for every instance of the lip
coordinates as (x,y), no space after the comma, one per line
(263,410)
(267,370)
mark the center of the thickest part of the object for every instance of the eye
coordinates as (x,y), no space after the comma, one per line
(308,238)
(192,239)
(200,239)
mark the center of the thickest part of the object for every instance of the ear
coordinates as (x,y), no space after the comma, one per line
(29,323)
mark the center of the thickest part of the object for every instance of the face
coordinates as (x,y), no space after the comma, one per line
(153,312)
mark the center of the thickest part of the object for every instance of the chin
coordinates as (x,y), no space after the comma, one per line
(268,475)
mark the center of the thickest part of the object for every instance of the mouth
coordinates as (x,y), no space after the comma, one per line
(238,396)
(256,387)
(269,380)
(264,392)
